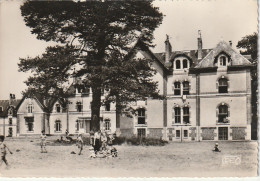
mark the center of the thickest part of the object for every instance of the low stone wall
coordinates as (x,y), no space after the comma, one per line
(238,133)
(155,133)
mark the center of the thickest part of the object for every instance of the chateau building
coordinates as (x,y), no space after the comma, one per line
(208,97)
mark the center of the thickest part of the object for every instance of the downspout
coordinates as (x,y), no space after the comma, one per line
(165,104)
(198,105)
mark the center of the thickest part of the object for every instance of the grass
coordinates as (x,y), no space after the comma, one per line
(173,159)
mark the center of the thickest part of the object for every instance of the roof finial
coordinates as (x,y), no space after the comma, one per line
(199,32)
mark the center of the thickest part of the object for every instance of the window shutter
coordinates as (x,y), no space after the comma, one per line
(217,112)
(228,113)
(60,125)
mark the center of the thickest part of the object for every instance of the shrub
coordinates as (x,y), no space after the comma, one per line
(140,141)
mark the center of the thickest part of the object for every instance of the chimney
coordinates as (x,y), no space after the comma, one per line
(230,43)
(168,49)
(199,46)
(11,98)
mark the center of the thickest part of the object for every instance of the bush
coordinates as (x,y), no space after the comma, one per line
(140,141)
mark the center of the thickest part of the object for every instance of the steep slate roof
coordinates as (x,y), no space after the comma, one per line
(5,104)
(222,46)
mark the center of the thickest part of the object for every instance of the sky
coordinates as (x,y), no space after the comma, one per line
(217,19)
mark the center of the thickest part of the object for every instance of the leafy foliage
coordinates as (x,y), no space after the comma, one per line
(97,38)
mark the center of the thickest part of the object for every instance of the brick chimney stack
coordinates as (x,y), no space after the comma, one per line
(11,98)
(168,49)
(199,46)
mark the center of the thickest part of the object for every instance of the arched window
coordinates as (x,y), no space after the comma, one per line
(30,108)
(186,115)
(222,85)
(141,116)
(223,61)
(57,125)
(177,88)
(186,88)
(58,108)
(178,64)
(185,63)
(107,124)
(177,115)
(222,113)
(79,106)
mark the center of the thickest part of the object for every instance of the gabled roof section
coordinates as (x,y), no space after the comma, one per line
(222,46)
(5,104)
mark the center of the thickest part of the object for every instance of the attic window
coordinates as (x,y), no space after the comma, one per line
(223,61)
(1,109)
(58,108)
(178,64)
(185,63)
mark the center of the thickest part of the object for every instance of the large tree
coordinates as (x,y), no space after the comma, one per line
(104,33)
(248,44)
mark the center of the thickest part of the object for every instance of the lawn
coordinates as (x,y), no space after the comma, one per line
(172,160)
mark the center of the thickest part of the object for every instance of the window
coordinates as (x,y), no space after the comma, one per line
(177,88)
(10,132)
(1,109)
(30,108)
(107,124)
(77,125)
(185,88)
(141,132)
(186,115)
(222,113)
(10,121)
(222,85)
(178,133)
(185,63)
(185,133)
(29,122)
(58,108)
(178,64)
(177,113)
(79,106)
(223,61)
(107,107)
(223,133)
(10,112)
(141,116)
(58,125)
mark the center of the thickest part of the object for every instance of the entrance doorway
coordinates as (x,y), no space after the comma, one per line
(223,133)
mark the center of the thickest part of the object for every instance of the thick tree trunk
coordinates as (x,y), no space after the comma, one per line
(95,109)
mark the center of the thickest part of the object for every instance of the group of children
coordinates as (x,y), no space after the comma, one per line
(101,144)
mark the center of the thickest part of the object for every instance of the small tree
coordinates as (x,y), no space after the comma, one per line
(105,32)
(249,46)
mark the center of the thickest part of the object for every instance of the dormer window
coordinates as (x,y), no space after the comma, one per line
(178,64)
(223,61)
(185,63)
(79,106)
(58,108)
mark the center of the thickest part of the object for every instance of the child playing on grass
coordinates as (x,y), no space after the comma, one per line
(80,143)
(103,141)
(43,142)
(3,148)
(216,149)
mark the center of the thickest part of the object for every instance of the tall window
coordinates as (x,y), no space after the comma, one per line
(29,122)
(107,124)
(107,107)
(10,121)
(185,133)
(58,108)
(79,106)
(177,113)
(186,88)
(30,108)
(178,64)
(77,125)
(178,133)
(185,63)
(223,61)
(177,88)
(58,125)
(222,85)
(1,109)
(222,113)
(186,115)
(141,116)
